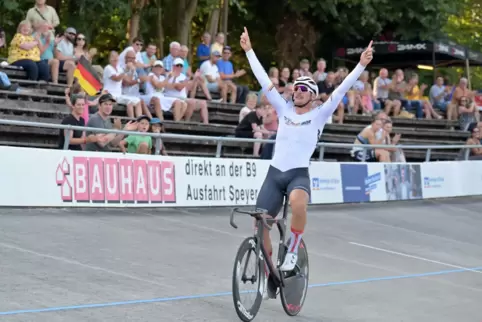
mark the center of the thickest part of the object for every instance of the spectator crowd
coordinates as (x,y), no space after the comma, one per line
(149,86)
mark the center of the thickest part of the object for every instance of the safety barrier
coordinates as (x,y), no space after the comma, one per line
(58,178)
(159,136)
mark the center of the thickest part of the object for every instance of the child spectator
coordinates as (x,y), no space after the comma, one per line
(77,90)
(158,127)
(138,143)
(251,101)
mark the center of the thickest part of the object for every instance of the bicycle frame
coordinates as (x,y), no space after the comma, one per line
(261,223)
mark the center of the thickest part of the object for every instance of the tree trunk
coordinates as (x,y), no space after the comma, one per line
(213,22)
(186,11)
(160,30)
(225,20)
(136,7)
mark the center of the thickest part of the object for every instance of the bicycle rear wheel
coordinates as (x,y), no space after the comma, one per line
(242,274)
(293,293)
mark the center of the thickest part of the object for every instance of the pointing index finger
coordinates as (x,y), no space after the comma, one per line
(370,44)
(245,30)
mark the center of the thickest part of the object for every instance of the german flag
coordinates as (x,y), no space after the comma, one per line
(87,77)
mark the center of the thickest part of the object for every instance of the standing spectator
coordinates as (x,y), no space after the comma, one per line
(106,141)
(174,49)
(176,87)
(158,127)
(43,13)
(460,91)
(140,65)
(251,127)
(210,71)
(24,52)
(77,137)
(149,57)
(381,88)
(320,73)
(140,144)
(64,52)
(325,88)
(47,43)
(305,68)
(218,44)
(186,69)
(397,90)
(467,113)
(226,70)
(203,50)
(113,79)
(251,101)
(439,94)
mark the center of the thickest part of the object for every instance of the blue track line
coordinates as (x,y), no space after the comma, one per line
(202,296)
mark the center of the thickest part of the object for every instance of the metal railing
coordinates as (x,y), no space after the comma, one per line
(221,139)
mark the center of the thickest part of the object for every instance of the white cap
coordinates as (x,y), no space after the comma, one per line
(178,61)
(158,63)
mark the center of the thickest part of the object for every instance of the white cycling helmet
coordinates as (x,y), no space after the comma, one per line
(308,82)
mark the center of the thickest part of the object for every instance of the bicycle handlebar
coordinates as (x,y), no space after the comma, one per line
(257,215)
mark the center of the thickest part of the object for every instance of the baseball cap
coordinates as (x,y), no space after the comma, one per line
(158,63)
(178,61)
(106,97)
(71,30)
(216,53)
(155,120)
(143,117)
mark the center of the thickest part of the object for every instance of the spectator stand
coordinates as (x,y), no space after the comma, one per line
(49,107)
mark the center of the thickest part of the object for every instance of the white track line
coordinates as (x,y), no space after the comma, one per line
(415,257)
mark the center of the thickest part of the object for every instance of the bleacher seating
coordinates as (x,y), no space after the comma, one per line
(45,102)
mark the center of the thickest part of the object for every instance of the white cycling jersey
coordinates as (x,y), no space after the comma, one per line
(297,134)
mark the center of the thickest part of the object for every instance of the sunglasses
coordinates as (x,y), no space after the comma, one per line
(72,34)
(302,88)
(179,65)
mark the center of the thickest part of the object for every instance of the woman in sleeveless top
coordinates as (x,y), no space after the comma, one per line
(369,136)
(475,153)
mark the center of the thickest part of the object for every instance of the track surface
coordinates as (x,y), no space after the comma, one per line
(379,262)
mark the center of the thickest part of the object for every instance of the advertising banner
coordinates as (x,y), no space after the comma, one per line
(403,181)
(363,182)
(440,179)
(326,183)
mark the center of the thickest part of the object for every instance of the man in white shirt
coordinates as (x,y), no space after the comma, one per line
(176,87)
(210,71)
(113,78)
(64,52)
(139,63)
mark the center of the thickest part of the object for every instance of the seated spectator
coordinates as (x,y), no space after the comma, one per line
(47,42)
(251,127)
(228,75)
(270,121)
(106,141)
(368,137)
(174,52)
(64,52)
(43,13)
(415,93)
(305,68)
(355,96)
(218,44)
(81,49)
(475,153)
(289,90)
(325,88)
(155,84)
(396,155)
(24,52)
(140,65)
(158,127)
(381,88)
(320,73)
(139,144)
(176,88)
(215,84)
(113,79)
(439,94)
(203,51)
(77,137)
(251,101)
(461,90)
(467,113)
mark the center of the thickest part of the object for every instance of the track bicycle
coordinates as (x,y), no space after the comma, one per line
(292,285)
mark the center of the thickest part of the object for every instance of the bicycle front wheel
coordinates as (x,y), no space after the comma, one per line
(244,274)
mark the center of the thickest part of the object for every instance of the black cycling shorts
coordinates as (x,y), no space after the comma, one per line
(277,183)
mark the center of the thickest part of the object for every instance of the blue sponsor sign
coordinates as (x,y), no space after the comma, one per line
(357,184)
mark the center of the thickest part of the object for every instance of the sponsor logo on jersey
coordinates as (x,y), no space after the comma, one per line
(290,122)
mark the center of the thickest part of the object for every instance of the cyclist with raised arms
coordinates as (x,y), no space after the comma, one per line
(299,123)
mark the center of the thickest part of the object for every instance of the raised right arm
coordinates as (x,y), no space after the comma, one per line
(278,102)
